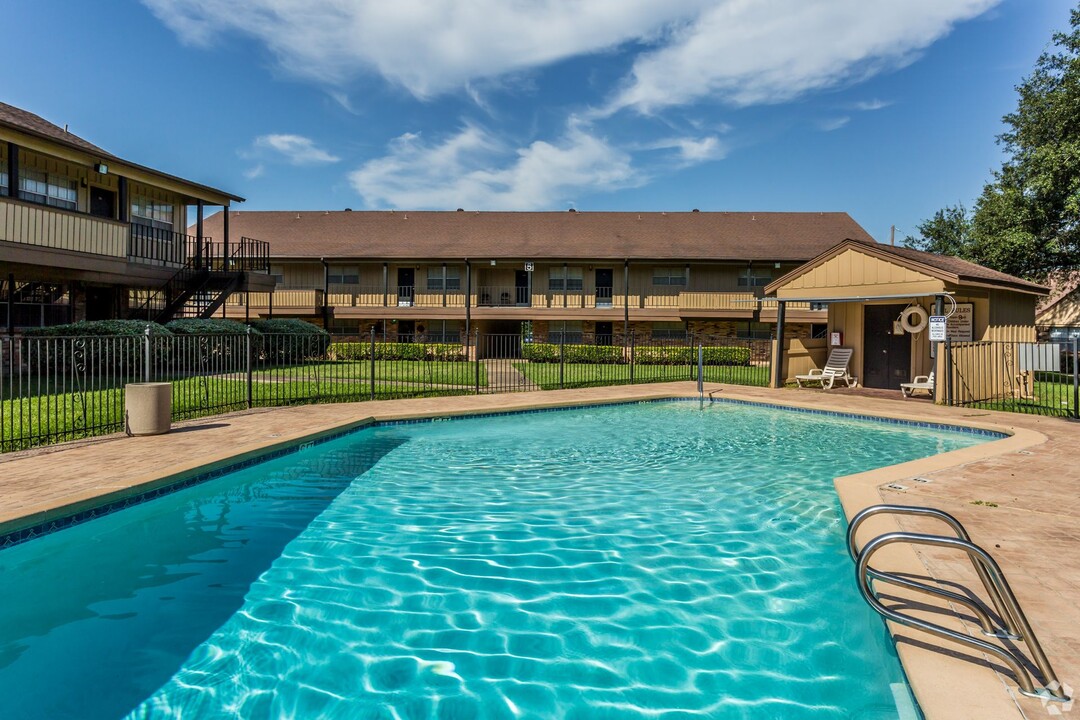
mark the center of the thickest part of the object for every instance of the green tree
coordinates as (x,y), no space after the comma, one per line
(947,233)
(1027,220)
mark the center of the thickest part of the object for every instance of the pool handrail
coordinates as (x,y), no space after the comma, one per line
(1052,688)
(1010,623)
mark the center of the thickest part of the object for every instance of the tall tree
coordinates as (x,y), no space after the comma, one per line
(1027,221)
(947,233)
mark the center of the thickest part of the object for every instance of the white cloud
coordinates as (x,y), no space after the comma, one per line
(427,46)
(870,105)
(738,51)
(254,172)
(297,149)
(475,170)
(692,150)
(748,53)
(830,124)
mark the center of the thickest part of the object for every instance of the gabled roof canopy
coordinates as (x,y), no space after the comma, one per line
(854,269)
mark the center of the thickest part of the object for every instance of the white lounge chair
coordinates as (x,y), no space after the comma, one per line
(921,382)
(835,370)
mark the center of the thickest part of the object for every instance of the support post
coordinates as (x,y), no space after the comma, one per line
(633,345)
(468,297)
(125,203)
(701,374)
(247,306)
(444,284)
(270,306)
(626,298)
(948,371)
(225,242)
(325,295)
(562,362)
(565,282)
(778,371)
(385,284)
(13,169)
(198,233)
(477,365)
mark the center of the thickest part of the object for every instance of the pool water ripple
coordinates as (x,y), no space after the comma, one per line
(608,563)
(647,561)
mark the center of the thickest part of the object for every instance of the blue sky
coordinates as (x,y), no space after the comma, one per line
(887,110)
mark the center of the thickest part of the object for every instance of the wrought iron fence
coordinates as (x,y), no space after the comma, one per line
(54,389)
(1028,377)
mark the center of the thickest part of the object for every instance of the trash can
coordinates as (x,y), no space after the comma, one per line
(148,408)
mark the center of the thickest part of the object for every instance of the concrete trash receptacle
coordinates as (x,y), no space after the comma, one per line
(148,408)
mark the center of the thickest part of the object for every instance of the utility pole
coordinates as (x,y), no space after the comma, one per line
(892,235)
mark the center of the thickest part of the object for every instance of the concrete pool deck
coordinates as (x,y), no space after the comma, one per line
(1018,497)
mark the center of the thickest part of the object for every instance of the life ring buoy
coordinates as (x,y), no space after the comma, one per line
(918,325)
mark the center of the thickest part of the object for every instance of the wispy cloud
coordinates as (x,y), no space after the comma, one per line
(734,51)
(830,124)
(296,149)
(254,172)
(474,169)
(691,150)
(870,105)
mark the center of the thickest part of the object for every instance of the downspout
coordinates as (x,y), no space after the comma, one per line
(326,294)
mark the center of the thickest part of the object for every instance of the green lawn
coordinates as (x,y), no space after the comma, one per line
(546,375)
(1050,398)
(415,371)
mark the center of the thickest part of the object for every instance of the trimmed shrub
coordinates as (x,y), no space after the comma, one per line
(589,354)
(289,340)
(683,355)
(443,352)
(99,328)
(209,326)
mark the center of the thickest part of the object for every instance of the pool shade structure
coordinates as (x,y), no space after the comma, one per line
(868,287)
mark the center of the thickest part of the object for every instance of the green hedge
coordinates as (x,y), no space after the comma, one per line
(288,326)
(682,355)
(99,328)
(286,341)
(591,354)
(443,352)
(209,326)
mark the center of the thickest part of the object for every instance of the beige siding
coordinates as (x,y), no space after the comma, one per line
(1064,313)
(854,273)
(45,227)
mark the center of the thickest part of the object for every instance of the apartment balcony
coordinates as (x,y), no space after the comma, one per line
(28,223)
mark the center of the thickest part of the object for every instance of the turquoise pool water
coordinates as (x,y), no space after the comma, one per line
(644,561)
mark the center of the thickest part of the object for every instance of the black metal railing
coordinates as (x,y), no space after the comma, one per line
(155,245)
(54,389)
(1029,377)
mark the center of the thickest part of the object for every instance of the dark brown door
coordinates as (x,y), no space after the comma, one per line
(605,279)
(406,331)
(521,288)
(604,332)
(102,202)
(406,280)
(886,356)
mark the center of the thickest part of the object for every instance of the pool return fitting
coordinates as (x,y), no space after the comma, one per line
(1013,623)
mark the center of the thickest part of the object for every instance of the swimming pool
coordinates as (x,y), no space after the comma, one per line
(647,560)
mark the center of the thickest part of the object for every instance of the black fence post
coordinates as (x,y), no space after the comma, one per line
(372,362)
(562,363)
(247,345)
(1076,377)
(477,366)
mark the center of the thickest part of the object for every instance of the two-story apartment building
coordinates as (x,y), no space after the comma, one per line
(85,234)
(592,276)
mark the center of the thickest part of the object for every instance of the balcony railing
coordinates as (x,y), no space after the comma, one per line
(157,246)
(503,296)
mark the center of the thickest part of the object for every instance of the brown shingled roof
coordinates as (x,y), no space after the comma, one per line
(37,125)
(964,269)
(771,236)
(32,124)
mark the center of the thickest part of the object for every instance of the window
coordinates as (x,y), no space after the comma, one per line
(668,331)
(343,275)
(669,276)
(565,331)
(819,330)
(154,213)
(819,306)
(565,278)
(3,181)
(754,330)
(55,190)
(435,278)
(36,304)
(443,331)
(755,278)
(277,273)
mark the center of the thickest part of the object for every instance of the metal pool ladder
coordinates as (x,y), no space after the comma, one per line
(1013,623)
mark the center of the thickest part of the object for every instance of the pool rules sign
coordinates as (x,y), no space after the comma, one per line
(957,326)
